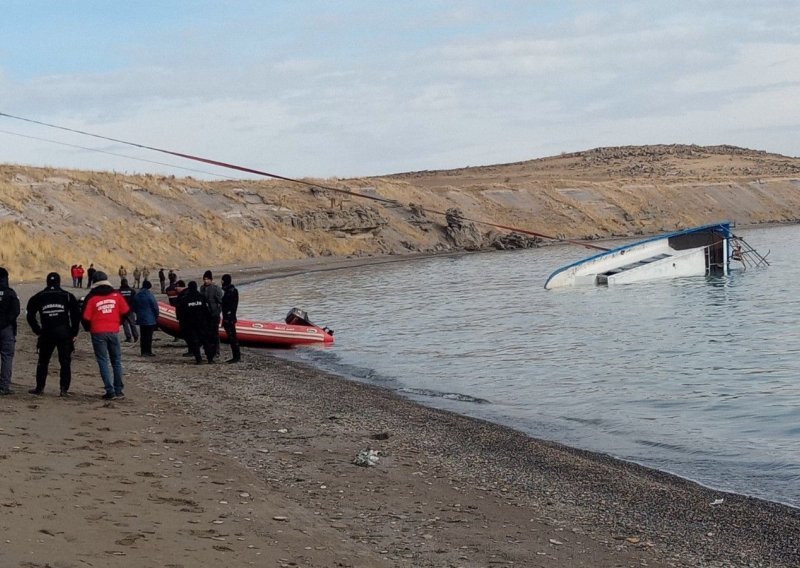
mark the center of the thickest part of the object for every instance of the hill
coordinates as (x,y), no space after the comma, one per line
(51,219)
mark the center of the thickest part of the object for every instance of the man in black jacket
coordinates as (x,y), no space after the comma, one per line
(194,317)
(9,312)
(59,319)
(213,295)
(129,323)
(230,303)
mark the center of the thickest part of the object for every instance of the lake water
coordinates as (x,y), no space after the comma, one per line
(698,376)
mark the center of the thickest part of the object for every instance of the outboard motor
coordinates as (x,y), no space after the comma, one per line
(296,316)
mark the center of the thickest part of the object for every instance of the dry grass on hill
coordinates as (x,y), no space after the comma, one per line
(53,218)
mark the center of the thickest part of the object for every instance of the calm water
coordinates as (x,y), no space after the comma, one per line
(699,377)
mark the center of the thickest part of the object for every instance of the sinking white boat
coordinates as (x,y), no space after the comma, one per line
(706,250)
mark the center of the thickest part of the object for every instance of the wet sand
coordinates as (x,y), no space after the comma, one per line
(252,465)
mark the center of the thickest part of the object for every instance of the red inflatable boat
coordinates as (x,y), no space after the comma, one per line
(296,331)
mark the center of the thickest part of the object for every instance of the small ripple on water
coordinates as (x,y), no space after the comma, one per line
(445,395)
(661,445)
(586,421)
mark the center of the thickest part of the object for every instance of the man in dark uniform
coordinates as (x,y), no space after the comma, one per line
(9,312)
(230,303)
(129,323)
(213,295)
(59,318)
(194,317)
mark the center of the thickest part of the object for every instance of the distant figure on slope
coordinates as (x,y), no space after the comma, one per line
(145,273)
(122,273)
(230,304)
(57,326)
(137,275)
(9,312)
(162,280)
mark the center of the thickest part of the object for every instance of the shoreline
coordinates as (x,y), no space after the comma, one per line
(252,465)
(620,506)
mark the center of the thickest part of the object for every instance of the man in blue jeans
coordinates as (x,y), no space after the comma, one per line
(103,312)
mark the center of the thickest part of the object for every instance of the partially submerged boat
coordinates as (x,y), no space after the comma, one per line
(296,330)
(699,251)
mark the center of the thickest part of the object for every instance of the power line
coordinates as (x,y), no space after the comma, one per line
(384,200)
(114,154)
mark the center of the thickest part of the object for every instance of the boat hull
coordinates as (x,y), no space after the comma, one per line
(690,252)
(254,333)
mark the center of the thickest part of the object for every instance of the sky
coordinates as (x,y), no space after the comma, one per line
(348,88)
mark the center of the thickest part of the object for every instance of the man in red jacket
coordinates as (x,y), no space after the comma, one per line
(103,311)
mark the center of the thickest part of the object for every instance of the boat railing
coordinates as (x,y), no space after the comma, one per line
(747,255)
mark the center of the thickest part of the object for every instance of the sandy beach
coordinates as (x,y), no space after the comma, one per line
(252,465)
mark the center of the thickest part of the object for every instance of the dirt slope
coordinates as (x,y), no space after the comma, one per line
(51,219)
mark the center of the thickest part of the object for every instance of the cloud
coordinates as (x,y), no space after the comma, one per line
(351,91)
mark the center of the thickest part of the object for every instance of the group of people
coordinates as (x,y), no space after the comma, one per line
(140,275)
(77,272)
(199,310)
(55,316)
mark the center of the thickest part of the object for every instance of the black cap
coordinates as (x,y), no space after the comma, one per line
(53,279)
(146,285)
(100,275)
(226,279)
(207,274)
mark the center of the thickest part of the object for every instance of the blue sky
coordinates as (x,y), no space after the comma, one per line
(354,88)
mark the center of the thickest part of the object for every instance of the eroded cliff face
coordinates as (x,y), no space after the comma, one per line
(51,219)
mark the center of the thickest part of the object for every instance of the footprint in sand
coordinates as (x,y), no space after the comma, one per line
(130,539)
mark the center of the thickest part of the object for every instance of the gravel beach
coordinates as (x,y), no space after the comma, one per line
(252,465)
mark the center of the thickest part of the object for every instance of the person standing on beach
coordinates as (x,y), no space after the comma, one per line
(122,273)
(230,304)
(193,316)
(90,275)
(57,326)
(129,322)
(80,272)
(137,275)
(145,273)
(103,311)
(213,295)
(73,271)
(9,312)
(146,309)
(162,280)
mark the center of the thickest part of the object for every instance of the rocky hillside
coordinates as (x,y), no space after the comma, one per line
(51,219)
